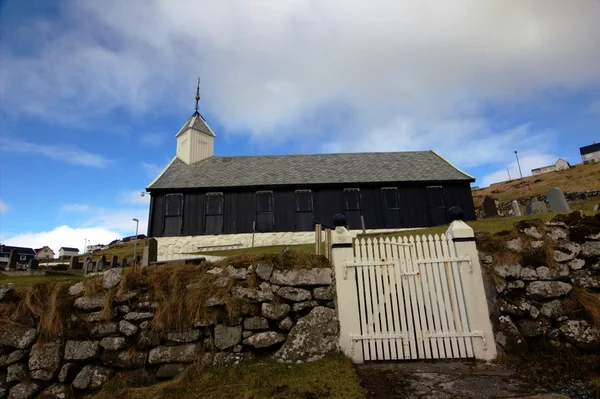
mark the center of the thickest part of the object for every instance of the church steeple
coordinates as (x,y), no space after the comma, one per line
(195,139)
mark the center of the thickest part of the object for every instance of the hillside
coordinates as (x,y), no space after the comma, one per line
(578,178)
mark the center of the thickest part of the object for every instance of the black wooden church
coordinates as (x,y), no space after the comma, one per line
(199,193)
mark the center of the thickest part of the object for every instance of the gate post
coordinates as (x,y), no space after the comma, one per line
(475,299)
(345,289)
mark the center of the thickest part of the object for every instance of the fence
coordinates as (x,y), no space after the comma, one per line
(411,298)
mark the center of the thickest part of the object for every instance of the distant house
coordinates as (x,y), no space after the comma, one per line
(94,248)
(66,252)
(590,153)
(44,253)
(24,255)
(132,238)
(560,164)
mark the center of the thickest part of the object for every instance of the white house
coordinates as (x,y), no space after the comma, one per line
(590,153)
(66,252)
(44,253)
(560,164)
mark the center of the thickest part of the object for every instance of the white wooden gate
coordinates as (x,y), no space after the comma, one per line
(415,299)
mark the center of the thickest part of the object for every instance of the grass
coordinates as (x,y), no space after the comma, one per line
(24,281)
(589,302)
(120,250)
(578,178)
(331,377)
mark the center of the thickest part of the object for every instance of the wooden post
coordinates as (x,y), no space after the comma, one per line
(253,229)
(328,243)
(318,239)
(362,224)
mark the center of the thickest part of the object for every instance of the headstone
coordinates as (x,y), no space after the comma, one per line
(89,266)
(596,207)
(528,209)
(557,200)
(516,208)
(12,260)
(490,209)
(100,266)
(124,262)
(114,261)
(538,207)
(152,250)
(74,263)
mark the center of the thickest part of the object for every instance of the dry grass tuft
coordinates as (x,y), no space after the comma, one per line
(589,302)
(92,286)
(283,260)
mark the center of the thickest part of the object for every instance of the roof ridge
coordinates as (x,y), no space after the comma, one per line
(451,164)
(323,153)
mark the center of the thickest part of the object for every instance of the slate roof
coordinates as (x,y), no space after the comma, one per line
(196,122)
(69,249)
(588,149)
(275,170)
(19,250)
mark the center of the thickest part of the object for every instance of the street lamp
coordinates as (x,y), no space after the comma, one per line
(137,222)
(517,155)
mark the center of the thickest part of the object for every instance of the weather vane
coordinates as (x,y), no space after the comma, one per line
(197,94)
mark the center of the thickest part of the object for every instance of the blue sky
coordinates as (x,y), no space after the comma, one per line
(92,93)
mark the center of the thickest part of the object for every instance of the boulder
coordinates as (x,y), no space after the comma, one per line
(264,339)
(556,233)
(92,377)
(16,372)
(24,390)
(174,354)
(246,333)
(96,316)
(89,303)
(12,357)
(554,273)
(238,274)
(45,357)
(508,270)
(553,309)
(286,324)
(300,277)
(68,371)
(16,336)
(541,290)
(215,301)
(215,359)
(57,391)
(112,278)
(515,285)
(138,316)
(226,336)
(128,329)
(81,350)
(170,370)
(5,289)
(125,297)
(586,278)
(323,293)
(567,251)
(590,249)
(215,271)
(300,306)
(264,270)
(311,338)
(533,328)
(581,334)
(182,337)
(520,307)
(103,329)
(508,336)
(256,323)
(124,359)
(576,264)
(275,311)
(294,294)
(516,244)
(113,343)
(251,294)
(528,274)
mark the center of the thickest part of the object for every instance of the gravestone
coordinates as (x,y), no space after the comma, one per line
(596,208)
(100,266)
(490,209)
(528,209)
(89,266)
(538,207)
(115,261)
(557,200)
(516,208)
(124,262)
(74,263)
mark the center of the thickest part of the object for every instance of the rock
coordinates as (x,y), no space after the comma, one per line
(127,328)
(16,336)
(215,271)
(553,333)
(226,337)
(89,303)
(224,359)
(486,259)
(68,371)
(581,334)
(275,311)
(532,232)
(148,339)
(311,338)
(16,372)
(508,335)
(237,348)
(238,274)
(144,324)
(113,343)
(92,377)
(516,244)
(515,285)
(256,323)
(126,297)
(520,307)
(547,289)
(57,391)
(286,324)
(183,336)
(554,273)
(246,333)
(96,316)
(251,294)
(24,390)
(112,278)
(556,233)
(215,301)
(5,289)
(47,357)
(138,316)
(222,282)
(300,306)
(294,294)
(81,350)
(508,270)
(533,328)
(590,249)
(317,276)
(586,278)
(553,309)
(174,354)
(123,309)
(264,339)
(323,293)
(528,274)
(124,359)
(103,329)
(12,357)
(537,244)
(567,251)
(264,271)
(170,370)
(576,264)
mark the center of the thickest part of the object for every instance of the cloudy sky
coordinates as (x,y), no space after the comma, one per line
(93,92)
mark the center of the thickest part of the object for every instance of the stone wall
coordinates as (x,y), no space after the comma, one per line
(287,314)
(538,276)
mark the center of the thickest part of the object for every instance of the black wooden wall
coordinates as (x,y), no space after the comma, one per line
(294,209)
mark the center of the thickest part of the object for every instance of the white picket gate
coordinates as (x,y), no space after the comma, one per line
(412,298)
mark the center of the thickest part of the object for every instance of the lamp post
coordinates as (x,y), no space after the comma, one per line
(137,222)
(517,155)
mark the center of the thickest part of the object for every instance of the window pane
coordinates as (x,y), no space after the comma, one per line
(352,200)
(390,197)
(436,196)
(214,204)
(304,201)
(173,204)
(264,201)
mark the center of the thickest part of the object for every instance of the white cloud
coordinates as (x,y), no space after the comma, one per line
(62,153)
(3,207)
(528,161)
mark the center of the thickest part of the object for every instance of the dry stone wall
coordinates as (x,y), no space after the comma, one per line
(543,284)
(285,314)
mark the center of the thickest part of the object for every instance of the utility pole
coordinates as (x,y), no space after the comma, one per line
(517,155)
(509,179)
(135,242)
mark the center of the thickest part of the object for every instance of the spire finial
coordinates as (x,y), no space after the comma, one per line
(197,94)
